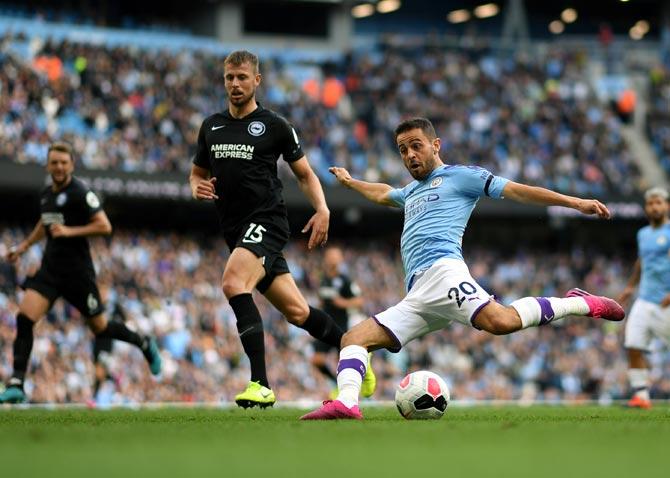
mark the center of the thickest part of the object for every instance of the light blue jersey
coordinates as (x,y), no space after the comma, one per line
(437,210)
(654,249)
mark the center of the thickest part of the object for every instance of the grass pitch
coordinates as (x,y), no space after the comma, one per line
(537,442)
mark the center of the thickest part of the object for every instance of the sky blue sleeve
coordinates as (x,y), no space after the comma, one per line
(476,182)
(397,197)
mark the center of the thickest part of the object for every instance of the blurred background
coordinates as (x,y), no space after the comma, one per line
(570,95)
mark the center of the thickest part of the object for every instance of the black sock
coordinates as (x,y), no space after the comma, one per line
(23,345)
(325,369)
(322,326)
(250,328)
(118,331)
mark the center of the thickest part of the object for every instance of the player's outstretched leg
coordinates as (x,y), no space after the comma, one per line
(250,329)
(351,369)
(23,345)
(118,331)
(600,307)
(537,311)
(638,377)
(369,380)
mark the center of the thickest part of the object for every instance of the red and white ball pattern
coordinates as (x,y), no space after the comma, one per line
(422,395)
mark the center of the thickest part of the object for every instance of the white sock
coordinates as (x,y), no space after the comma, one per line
(639,382)
(350,372)
(535,311)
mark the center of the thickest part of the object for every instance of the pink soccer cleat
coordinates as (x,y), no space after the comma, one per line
(334,410)
(600,307)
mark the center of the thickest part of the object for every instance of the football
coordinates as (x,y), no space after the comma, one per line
(422,395)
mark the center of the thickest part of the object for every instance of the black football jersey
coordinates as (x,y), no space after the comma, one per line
(341,286)
(74,205)
(242,154)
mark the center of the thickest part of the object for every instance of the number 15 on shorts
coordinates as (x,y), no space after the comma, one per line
(254,234)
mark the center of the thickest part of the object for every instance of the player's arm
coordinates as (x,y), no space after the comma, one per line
(99,225)
(632,284)
(349,296)
(348,302)
(544,197)
(36,235)
(379,193)
(202,186)
(311,187)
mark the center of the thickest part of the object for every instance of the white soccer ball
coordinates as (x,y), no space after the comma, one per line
(422,395)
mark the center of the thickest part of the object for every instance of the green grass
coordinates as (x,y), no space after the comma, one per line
(536,442)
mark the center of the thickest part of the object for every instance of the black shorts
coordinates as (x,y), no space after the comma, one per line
(266,238)
(322,347)
(77,286)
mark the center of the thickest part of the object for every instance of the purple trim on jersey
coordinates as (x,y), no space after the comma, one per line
(351,363)
(393,337)
(546,311)
(476,313)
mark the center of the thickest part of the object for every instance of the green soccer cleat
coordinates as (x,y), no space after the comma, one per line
(13,395)
(153,356)
(369,380)
(255,395)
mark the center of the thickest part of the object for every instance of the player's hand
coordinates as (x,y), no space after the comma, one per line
(342,175)
(319,226)
(666,301)
(59,230)
(205,190)
(593,206)
(625,296)
(340,302)
(14,252)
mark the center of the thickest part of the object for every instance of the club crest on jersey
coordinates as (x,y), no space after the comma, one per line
(61,199)
(661,240)
(435,182)
(256,128)
(91,302)
(92,200)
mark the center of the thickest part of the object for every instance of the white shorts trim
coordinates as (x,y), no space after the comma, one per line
(646,320)
(444,293)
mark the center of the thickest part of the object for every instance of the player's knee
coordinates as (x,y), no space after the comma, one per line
(352,337)
(97,325)
(502,323)
(296,313)
(232,286)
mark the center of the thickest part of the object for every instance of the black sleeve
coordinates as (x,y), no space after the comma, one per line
(347,289)
(287,139)
(201,157)
(92,202)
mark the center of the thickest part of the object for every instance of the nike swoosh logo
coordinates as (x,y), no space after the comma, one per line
(265,394)
(245,331)
(548,317)
(250,241)
(214,128)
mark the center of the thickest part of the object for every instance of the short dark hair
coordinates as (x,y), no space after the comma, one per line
(61,147)
(423,124)
(240,57)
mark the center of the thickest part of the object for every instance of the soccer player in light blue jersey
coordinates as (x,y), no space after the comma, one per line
(440,290)
(650,316)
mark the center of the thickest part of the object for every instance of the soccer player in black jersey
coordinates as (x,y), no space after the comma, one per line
(338,294)
(235,165)
(69,213)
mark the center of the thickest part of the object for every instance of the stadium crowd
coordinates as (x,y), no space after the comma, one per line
(168,285)
(658,118)
(532,119)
